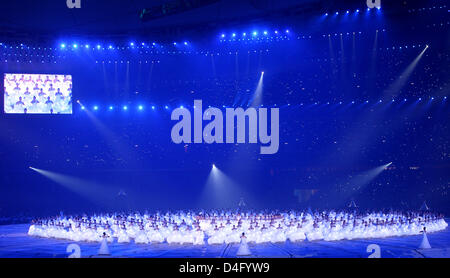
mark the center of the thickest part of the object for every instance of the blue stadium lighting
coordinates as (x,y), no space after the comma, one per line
(432,98)
(255,33)
(154,43)
(181,106)
(75,46)
(357,11)
(110,47)
(63,46)
(265,32)
(404,99)
(125,107)
(287,31)
(420,99)
(111,108)
(143,44)
(223,35)
(185,43)
(141,107)
(276,32)
(82,108)
(337,13)
(347,12)
(234,35)
(174,43)
(132,44)
(166,107)
(326,14)
(153,107)
(87,46)
(98,46)
(96,107)
(244,34)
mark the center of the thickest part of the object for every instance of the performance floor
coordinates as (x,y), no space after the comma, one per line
(15,243)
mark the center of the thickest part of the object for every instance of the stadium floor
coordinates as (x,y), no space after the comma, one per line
(15,243)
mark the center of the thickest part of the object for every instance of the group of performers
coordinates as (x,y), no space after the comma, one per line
(34,93)
(218,227)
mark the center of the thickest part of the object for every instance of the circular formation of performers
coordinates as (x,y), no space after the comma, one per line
(218,227)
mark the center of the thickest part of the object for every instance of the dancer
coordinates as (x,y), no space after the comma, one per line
(243,247)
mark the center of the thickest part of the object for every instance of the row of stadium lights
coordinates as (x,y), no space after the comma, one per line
(207,53)
(132,45)
(427,9)
(276,32)
(348,12)
(166,107)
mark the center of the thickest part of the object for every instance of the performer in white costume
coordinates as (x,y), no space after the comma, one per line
(243,247)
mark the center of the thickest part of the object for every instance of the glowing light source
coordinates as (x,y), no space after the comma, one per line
(96,107)
(63,46)
(125,107)
(141,107)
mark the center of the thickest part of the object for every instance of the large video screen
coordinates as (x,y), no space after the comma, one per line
(38,94)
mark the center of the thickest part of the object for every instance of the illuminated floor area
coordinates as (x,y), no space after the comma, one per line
(15,243)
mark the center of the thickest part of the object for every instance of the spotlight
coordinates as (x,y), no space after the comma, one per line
(214,166)
(255,33)
(111,108)
(347,12)
(326,14)
(75,46)
(337,13)
(87,46)
(98,46)
(78,101)
(357,11)
(82,108)
(96,107)
(265,32)
(223,35)
(63,46)
(141,107)
(132,44)
(174,43)
(153,107)
(166,107)
(234,34)
(185,43)
(262,73)
(181,106)
(287,31)
(110,47)
(276,32)
(244,34)
(125,107)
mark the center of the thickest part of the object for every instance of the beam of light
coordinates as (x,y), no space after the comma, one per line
(92,191)
(256,100)
(220,191)
(356,184)
(394,88)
